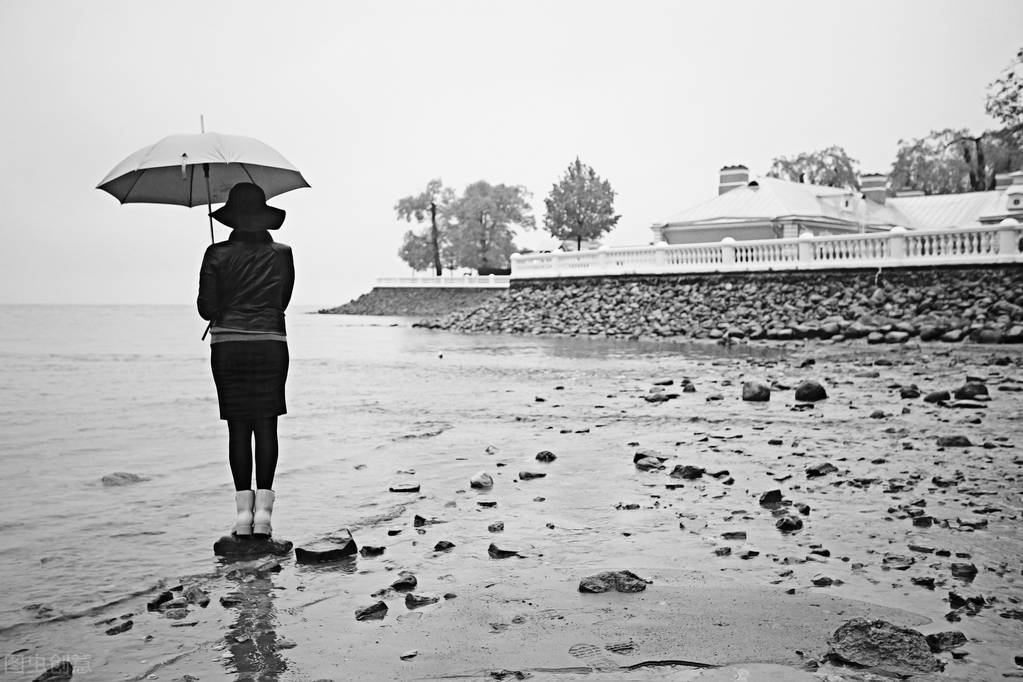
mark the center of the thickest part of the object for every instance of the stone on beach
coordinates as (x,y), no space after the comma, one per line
(61,672)
(754,391)
(374,611)
(687,472)
(945,641)
(371,550)
(545,456)
(443,546)
(883,646)
(821,469)
(405,581)
(482,481)
(954,442)
(241,546)
(496,552)
(618,581)
(414,601)
(529,475)
(971,390)
(343,546)
(119,478)
(404,488)
(810,391)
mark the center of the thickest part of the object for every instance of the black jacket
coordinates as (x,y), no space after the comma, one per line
(246,282)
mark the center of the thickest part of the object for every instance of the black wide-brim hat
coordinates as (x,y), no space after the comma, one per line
(246,210)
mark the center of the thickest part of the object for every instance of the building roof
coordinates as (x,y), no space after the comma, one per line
(943,211)
(772,199)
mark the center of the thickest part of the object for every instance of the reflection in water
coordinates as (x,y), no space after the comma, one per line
(251,639)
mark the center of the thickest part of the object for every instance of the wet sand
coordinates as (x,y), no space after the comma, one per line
(761,615)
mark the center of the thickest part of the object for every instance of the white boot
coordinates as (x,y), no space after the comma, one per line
(262,510)
(243,500)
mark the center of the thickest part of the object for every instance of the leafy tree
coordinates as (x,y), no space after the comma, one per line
(831,167)
(417,250)
(940,163)
(431,202)
(482,224)
(951,161)
(580,206)
(1005,103)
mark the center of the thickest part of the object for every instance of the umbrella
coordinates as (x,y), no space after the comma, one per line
(191,170)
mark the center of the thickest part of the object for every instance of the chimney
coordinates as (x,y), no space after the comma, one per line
(873,186)
(732,177)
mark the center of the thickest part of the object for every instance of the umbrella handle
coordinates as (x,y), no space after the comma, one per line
(209,211)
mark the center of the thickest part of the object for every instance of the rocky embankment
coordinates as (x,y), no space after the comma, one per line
(414,301)
(984,305)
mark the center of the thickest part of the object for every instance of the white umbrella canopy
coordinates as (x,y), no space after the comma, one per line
(173,171)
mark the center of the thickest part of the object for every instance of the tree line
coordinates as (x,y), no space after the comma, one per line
(947,161)
(476,229)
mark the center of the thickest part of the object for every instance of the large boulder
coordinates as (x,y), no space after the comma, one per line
(883,646)
(618,581)
(250,546)
(810,391)
(343,547)
(754,391)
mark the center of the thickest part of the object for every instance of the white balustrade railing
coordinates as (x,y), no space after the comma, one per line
(898,247)
(446,281)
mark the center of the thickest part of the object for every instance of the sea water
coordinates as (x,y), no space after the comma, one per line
(89,391)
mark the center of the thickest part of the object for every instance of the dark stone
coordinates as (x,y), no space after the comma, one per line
(404,488)
(372,612)
(954,442)
(923,581)
(937,396)
(897,562)
(119,478)
(193,594)
(771,498)
(909,392)
(687,472)
(896,337)
(874,338)
(120,627)
(722,551)
(822,581)
(497,553)
(821,469)
(734,535)
(57,673)
(370,550)
(618,581)
(248,547)
(405,581)
(971,390)
(482,481)
(923,521)
(946,641)
(986,335)
(496,527)
(788,524)
(931,332)
(345,547)
(881,645)
(953,336)
(414,601)
(754,391)
(529,475)
(803,508)
(545,456)
(810,391)
(443,546)
(965,571)
(157,603)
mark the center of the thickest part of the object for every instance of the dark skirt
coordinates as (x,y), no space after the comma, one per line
(250,378)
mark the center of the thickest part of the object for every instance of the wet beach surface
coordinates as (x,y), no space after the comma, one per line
(727,587)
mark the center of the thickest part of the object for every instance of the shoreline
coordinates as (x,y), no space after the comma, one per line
(526,615)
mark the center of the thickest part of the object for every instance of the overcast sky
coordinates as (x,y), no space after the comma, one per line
(373,99)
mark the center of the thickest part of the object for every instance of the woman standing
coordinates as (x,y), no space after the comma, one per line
(245,286)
